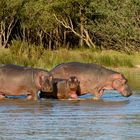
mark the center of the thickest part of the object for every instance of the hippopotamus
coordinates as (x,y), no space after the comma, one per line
(19,80)
(93,78)
(63,89)
(68,88)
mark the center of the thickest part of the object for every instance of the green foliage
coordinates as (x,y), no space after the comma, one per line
(119,29)
(25,54)
(110,24)
(22,53)
(115,60)
(25,49)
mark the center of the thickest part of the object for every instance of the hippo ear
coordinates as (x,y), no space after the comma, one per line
(119,77)
(50,78)
(75,79)
(69,80)
(41,79)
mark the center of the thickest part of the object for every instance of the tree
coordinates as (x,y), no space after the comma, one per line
(72,14)
(109,24)
(8,18)
(37,23)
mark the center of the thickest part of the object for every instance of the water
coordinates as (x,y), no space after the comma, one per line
(112,118)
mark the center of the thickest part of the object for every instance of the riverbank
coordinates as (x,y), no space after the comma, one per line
(36,56)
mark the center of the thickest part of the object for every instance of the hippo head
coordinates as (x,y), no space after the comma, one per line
(120,84)
(46,83)
(73,83)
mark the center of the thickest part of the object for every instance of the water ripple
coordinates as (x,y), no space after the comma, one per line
(71,120)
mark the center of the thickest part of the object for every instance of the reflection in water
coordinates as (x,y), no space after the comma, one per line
(113,118)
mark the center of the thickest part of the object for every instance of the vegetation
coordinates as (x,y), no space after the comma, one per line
(55,24)
(44,33)
(22,53)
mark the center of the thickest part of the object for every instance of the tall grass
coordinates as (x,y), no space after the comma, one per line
(22,53)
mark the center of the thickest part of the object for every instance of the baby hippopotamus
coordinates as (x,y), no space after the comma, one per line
(64,89)
(68,88)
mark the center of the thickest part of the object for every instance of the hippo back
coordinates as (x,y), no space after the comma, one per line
(90,75)
(15,79)
(81,70)
(17,75)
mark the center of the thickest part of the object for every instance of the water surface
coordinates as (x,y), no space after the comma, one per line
(112,118)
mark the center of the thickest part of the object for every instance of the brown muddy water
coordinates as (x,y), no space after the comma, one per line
(112,118)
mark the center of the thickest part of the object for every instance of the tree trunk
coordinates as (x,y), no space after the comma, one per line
(81,27)
(88,40)
(57,38)
(0,41)
(50,41)
(65,35)
(85,35)
(40,35)
(24,33)
(5,32)
(1,35)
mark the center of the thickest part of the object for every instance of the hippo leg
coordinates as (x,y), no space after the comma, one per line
(32,97)
(98,94)
(2,96)
(73,95)
(29,97)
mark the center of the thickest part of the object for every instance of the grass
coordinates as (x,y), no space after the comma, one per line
(22,53)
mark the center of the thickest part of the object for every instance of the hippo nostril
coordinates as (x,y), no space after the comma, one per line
(127,94)
(51,89)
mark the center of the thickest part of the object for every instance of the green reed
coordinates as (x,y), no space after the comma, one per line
(25,54)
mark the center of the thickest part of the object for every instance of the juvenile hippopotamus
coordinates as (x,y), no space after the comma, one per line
(64,89)
(68,88)
(93,78)
(18,80)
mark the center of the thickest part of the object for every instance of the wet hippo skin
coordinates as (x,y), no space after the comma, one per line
(18,80)
(63,89)
(93,78)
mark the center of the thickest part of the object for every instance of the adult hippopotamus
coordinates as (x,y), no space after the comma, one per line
(18,80)
(93,78)
(63,89)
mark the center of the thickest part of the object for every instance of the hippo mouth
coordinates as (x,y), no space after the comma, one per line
(47,89)
(73,96)
(125,91)
(73,89)
(127,94)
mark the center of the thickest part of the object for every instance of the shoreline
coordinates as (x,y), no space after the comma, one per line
(47,59)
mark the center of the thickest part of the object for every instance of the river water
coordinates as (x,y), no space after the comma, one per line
(112,118)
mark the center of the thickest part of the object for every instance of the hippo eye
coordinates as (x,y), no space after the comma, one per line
(122,84)
(75,80)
